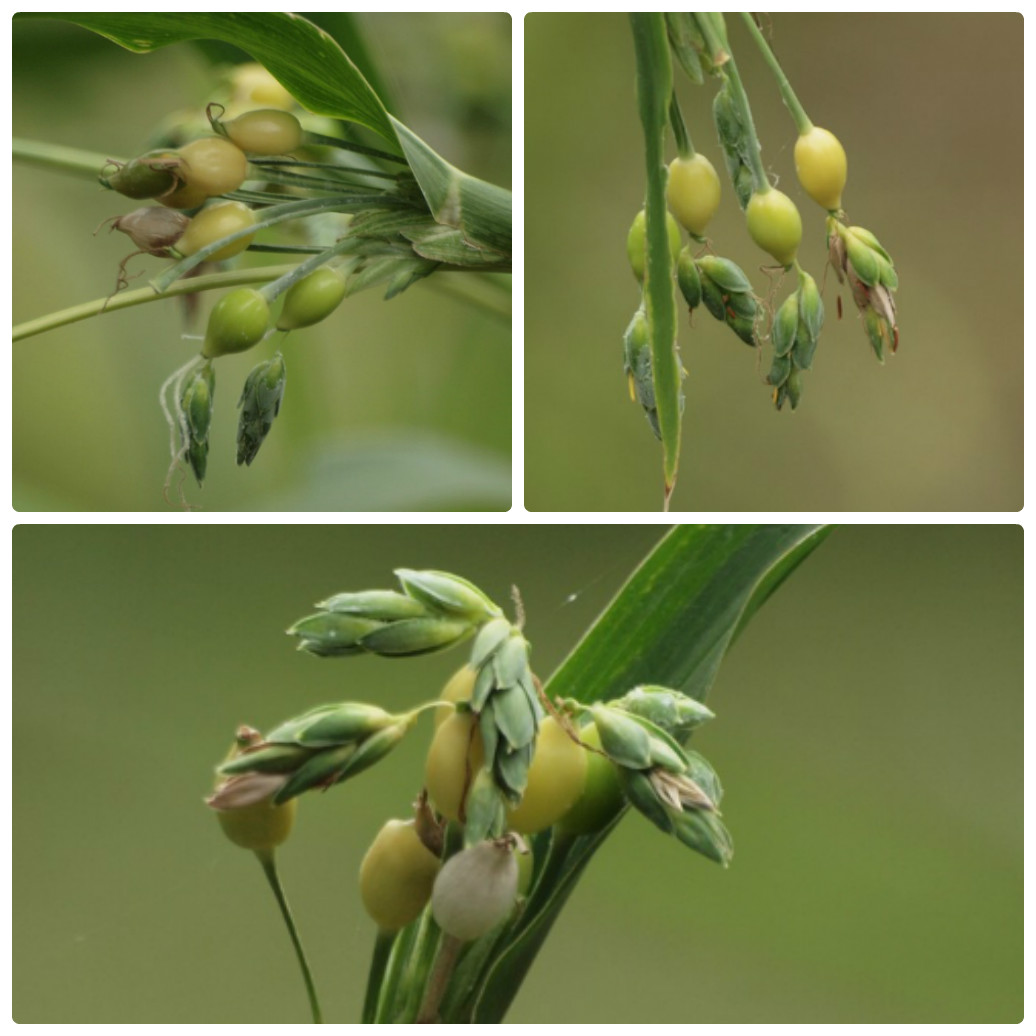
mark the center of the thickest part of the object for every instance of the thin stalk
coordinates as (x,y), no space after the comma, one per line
(684,146)
(383,943)
(348,145)
(445,962)
(798,113)
(269,865)
(187,286)
(352,169)
(59,158)
(395,968)
(716,38)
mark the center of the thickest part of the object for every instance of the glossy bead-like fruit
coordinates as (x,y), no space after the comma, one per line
(213,165)
(602,796)
(458,689)
(265,131)
(253,84)
(556,780)
(214,223)
(186,196)
(475,890)
(454,757)
(312,299)
(636,242)
(821,166)
(397,875)
(237,322)
(693,192)
(775,225)
(260,826)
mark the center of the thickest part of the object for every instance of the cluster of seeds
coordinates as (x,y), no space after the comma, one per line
(507,775)
(700,44)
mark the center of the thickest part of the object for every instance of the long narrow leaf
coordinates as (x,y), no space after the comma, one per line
(654,90)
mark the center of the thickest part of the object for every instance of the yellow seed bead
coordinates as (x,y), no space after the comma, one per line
(557,777)
(822,167)
(693,192)
(454,757)
(397,875)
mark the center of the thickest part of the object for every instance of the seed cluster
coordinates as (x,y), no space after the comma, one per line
(498,771)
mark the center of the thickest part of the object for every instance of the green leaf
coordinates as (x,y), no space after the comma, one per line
(304,59)
(654,89)
(673,621)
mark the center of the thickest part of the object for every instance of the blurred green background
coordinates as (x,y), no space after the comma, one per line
(929,108)
(388,406)
(869,734)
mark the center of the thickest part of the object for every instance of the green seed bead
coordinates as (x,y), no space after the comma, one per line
(397,875)
(214,223)
(775,225)
(213,165)
(312,299)
(238,321)
(693,192)
(265,131)
(602,796)
(636,242)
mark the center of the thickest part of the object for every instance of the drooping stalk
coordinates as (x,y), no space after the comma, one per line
(791,101)
(383,943)
(268,863)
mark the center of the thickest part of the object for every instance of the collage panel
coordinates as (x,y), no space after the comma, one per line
(262,262)
(832,205)
(780,767)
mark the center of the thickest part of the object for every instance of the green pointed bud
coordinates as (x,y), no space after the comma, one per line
(727,275)
(744,328)
(635,346)
(237,322)
(375,748)
(805,347)
(675,713)
(712,296)
(742,304)
(705,833)
(337,724)
(260,403)
(312,299)
(321,770)
(688,278)
(793,387)
(448,594)
(811,306)
(511,661)
(381,605)
(623,740)
(785,327)
(687,45)
(409,637)
(511,770)
(779,370)
(515,716)
(196,403)
(485,811)
(887,274)
(862,258)
(867,238)
(330,634)
(489,638)
(875,328)
(640,792)
(700,771)
(267,758)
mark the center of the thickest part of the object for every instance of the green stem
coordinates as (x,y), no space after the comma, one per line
(266,163)
(57,157)
(684,146)
(395,968)
(383,944)
(798,113)
(716,37)
(348,145)
(269,865)
(188,286)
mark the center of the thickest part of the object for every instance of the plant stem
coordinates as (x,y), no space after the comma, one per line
(348,145)
(798,113)
(187,286)
(715,35)
(269,865)
(684,146)
(383,944)
(445,961)
(57,157)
